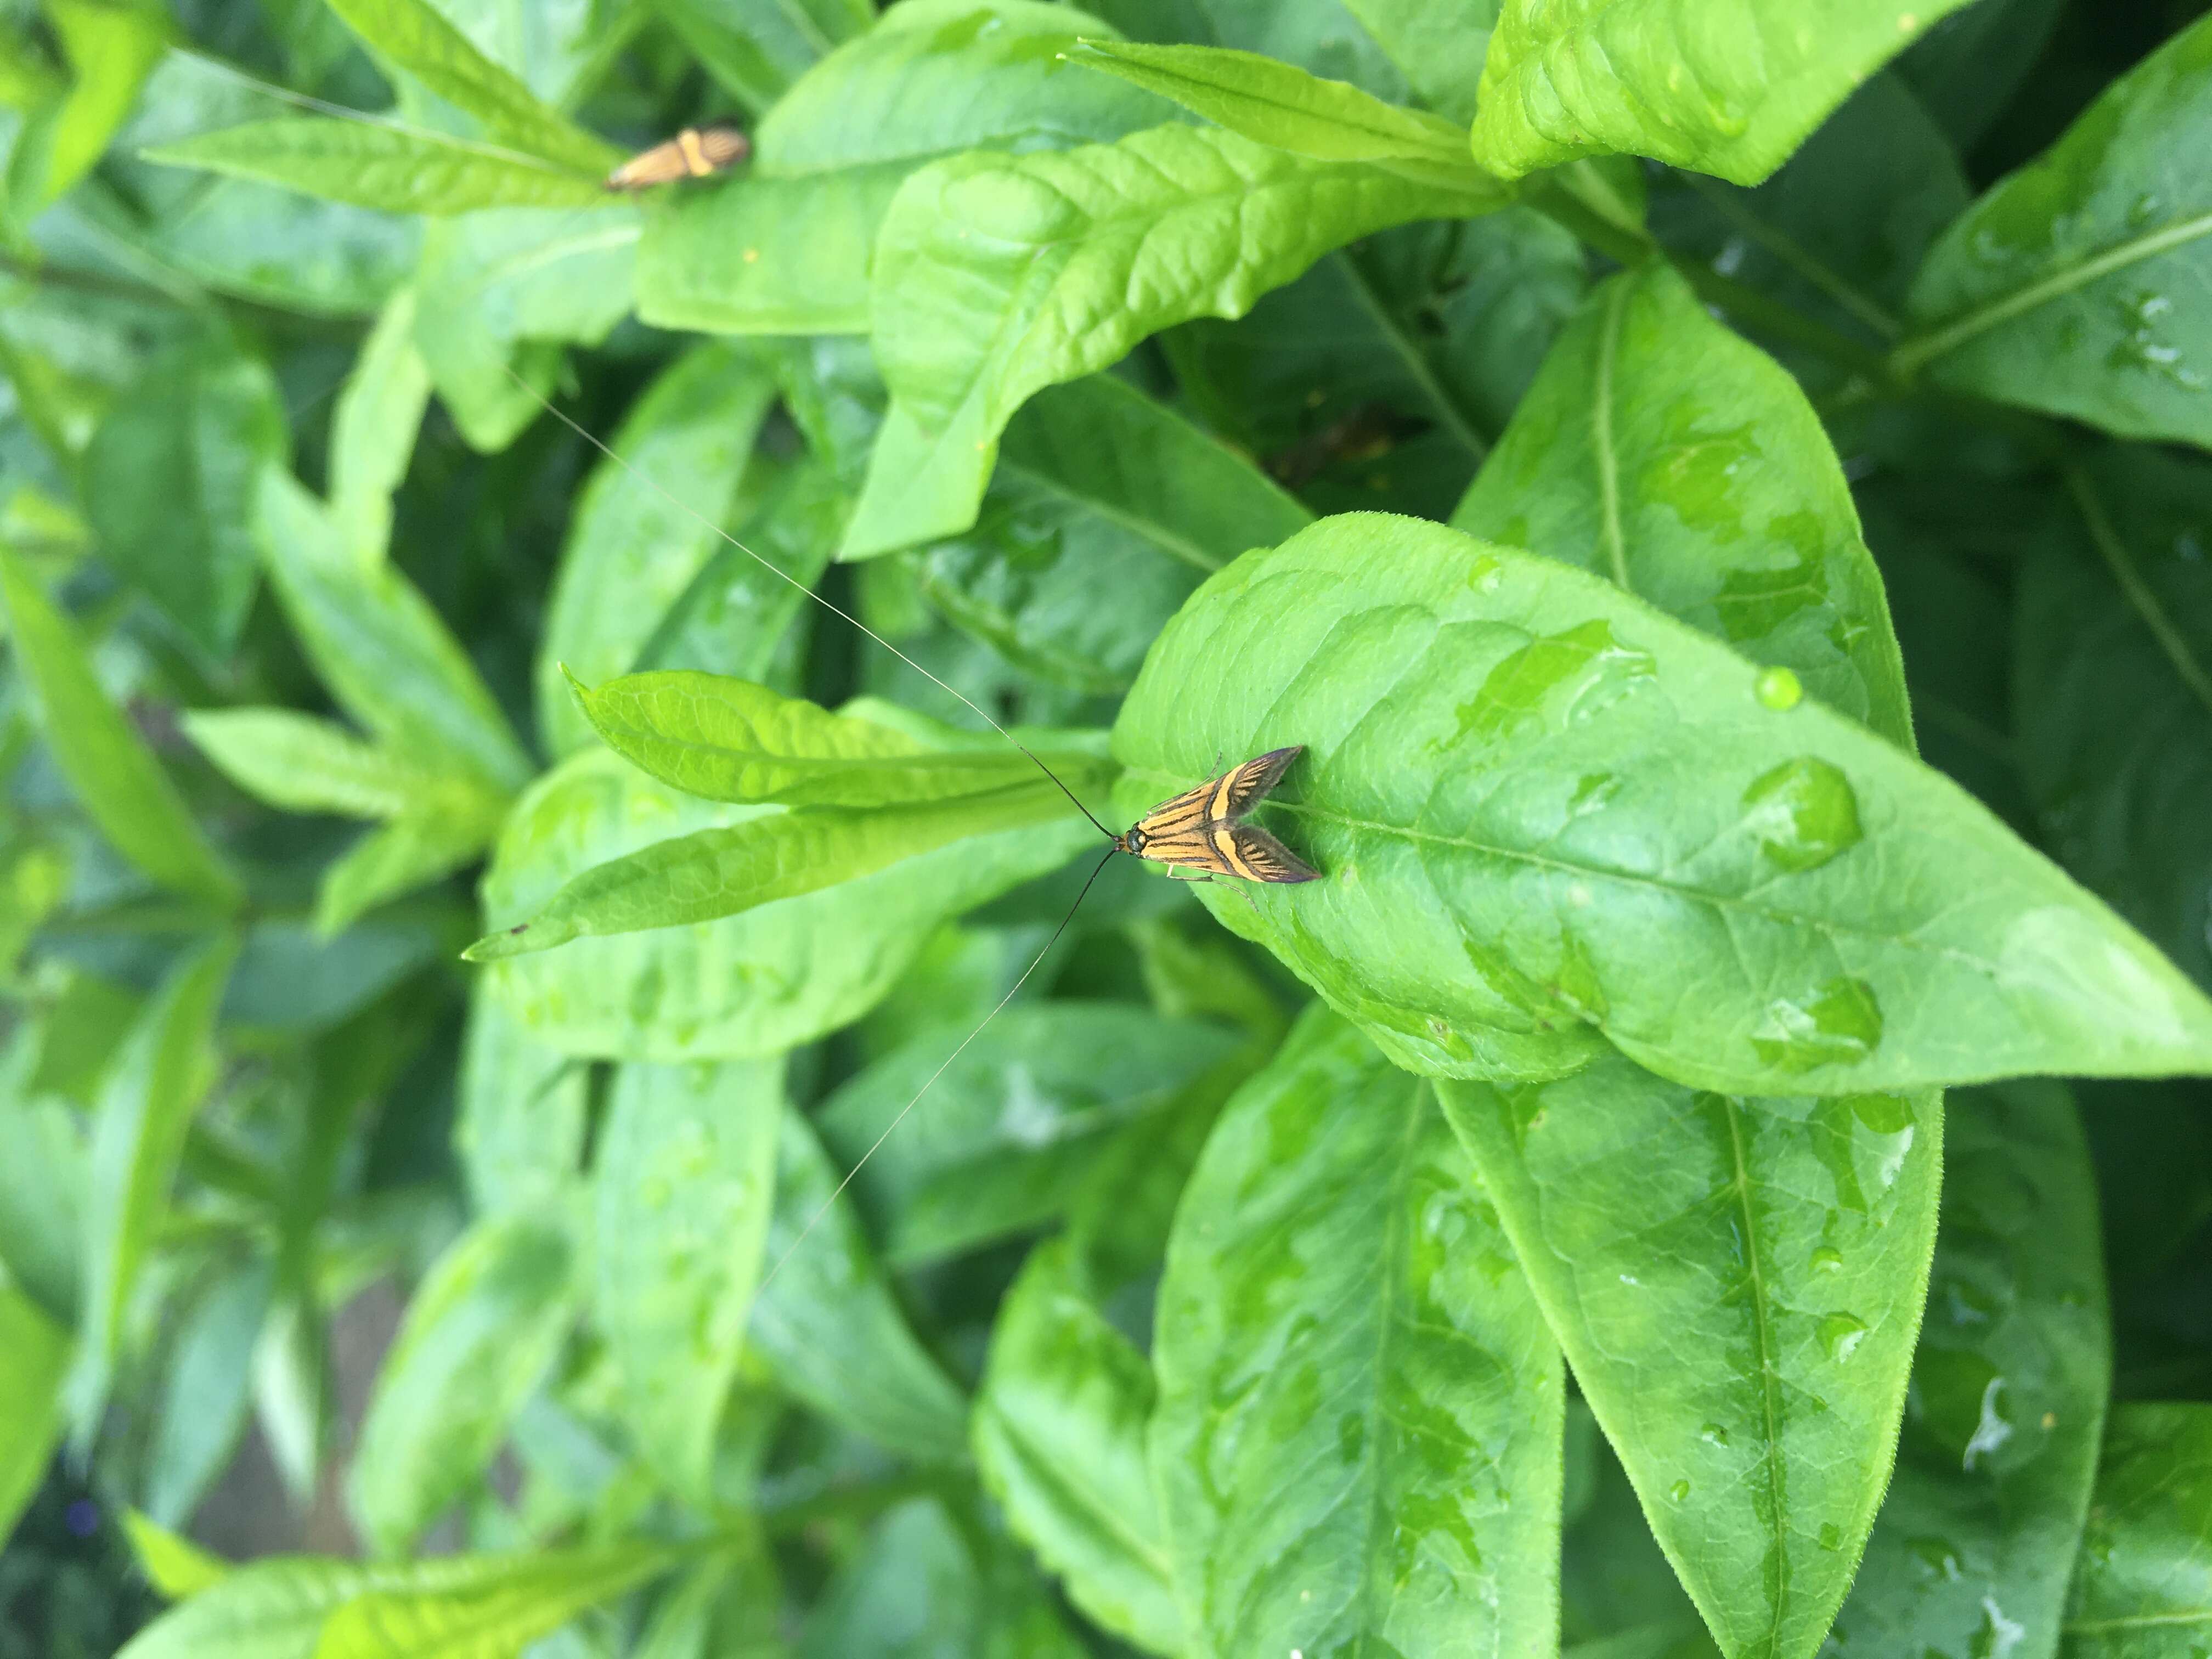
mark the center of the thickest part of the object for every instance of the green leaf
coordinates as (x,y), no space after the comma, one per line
(170,478)
(118,780)
(500,291)
(479,1334)
(521,1116)
(1008,1131)
(306,764)
(35,1360)
(727,739)
(1280,104)
(712,874)
(1545,812)
(387,658)
(751,985)
(372,428)
(828,1325)
(631,551)
(1967,68)
(1978,1533)
(146,1104)
(684,1180)
(1439,45)
(730,1606)
(2112,689)
(1731,91)
(998,275)
(785,247)
(42,1180)
(206,1378)
(1784,1243)
(172,1564)
(756,50)
(396,169)
(2144,1580)
(1059,1436)
(1357,1436)
(414,36)
(111,45)
(398,857)
(2065,287)
(1658,449)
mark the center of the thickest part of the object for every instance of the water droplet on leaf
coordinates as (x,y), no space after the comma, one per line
(1779,688)
(1804,813)
(1841,1334)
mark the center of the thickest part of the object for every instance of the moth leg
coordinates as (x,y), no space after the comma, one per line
(1175,873)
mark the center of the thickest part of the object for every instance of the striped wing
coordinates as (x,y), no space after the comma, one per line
(1241,788)
(662,164)
(1197,830)
(689,155)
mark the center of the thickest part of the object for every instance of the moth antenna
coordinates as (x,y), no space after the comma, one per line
(783,575)
(829,1203)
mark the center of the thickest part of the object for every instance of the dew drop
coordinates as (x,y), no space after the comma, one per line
(1938,1556)
(1779,688)
(1713,1435)
(1840,1334)
(1804,813)
(1839,1023)
(1829,1259)
(1679,1491)
(1831,1537)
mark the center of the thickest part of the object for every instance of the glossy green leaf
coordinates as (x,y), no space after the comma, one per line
(110,46)
(479,1334)
(399,170)
(712,874)
(1357,1441)
(1967,68)
(1548,817)
(120,784)
(1659,450)
(1437,45)
(1978,1535)
(2142,1587)
(785,248)
(520,1124)
(146,1104)
(2068,287)
(1279,104)
(1008,1131)
(374,426)
(35,1360)
(631,550)
(753,984)
(683,1179)
(730,740)
(829,1327)
(1784,1242)
(1731,91)
(998,275)
(415,36)
(2112,690)
(384,654)
(304,764)
(170,479)
(1059,1436)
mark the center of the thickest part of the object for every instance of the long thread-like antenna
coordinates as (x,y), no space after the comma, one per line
(829,1203)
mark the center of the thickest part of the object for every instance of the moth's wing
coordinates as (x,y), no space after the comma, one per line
(723,147)
(1179,815)
(1241,788)
(660,165)
(1262,856)
(1191,848)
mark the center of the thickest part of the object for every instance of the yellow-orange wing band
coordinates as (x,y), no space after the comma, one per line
(1198,829)
(694,153)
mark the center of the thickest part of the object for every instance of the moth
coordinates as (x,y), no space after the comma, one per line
(694,153)
(1201,829)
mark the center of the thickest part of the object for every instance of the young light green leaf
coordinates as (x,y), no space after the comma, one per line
(753,984)
(2111,678)
(1014,1122)
(997,276)
(631,552)
(828,1325)
(412,35)
(717,873)
(306,764)
(1660,450)
(1280,104)
(172,1564)
(2143,1581)
(1059,1437)
(1546,813)
(121,785)
(1785,1243)
(170,478)
(2008,1400)
(931,78)
(521,1119)
(145,1109)
(683,1180)
(728,739)
(1436,44)
(373,427)
(1357,1440)
(483,1326)
(2066,287)
(34,1361)
(396,169)
(398,857)
(387,658)
(1729,92)
(111,47)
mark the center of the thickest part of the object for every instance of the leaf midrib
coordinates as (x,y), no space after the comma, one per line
(1770,1383)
